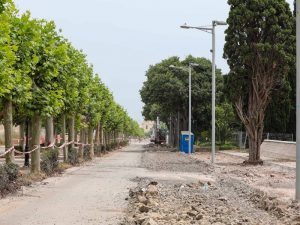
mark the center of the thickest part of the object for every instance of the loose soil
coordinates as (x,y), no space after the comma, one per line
(227,193)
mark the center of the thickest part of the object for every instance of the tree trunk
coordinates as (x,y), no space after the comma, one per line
(101,138)
(22,137)
(49,139)
(86,136)
(255,140)
(253,120)
(63,134)
(97,135)
(91,141)
(27,142)
(71,131)
(75,135)
(81,147)
(104,141)
(178,131)
(35,142)
(170,132)
(8,131)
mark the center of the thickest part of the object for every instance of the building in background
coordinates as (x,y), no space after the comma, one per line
(147,126)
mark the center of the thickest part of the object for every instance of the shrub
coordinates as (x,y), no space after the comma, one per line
(49,162)
(124,143)
(73,156)
(86,153)
(4,180)
(8,175)
(12,171)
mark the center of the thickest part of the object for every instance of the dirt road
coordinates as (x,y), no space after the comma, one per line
(190,191)
(88,195)
(114,190)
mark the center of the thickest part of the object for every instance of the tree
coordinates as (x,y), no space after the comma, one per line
(259,48)
(165,94)
(225,119)
(47,97)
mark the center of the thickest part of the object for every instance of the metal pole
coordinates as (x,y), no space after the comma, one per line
(298,104)
(213,113)
(178,130)
(190,109)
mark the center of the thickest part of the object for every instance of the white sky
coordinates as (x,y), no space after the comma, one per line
(122,38)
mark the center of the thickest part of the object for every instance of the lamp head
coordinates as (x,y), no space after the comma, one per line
(185,26)
(220,23)
(194,64)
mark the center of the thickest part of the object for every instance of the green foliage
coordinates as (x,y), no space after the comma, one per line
(43,74)
(49,163)
(225,120)
(165,92)
(259,39)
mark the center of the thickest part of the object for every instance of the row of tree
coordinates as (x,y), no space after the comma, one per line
(46,81)
(260,50)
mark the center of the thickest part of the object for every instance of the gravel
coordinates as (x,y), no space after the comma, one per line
(226,200)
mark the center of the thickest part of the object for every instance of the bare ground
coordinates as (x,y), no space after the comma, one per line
(228,193)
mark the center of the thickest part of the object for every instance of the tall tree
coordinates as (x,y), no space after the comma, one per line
(259,49)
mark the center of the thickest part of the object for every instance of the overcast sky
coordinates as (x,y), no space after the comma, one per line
(122,38)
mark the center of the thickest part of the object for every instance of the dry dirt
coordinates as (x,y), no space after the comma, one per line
(227,193)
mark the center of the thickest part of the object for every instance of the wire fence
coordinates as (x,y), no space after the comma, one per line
(240,139)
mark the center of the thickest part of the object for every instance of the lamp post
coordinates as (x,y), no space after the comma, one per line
(298,104)
(189,69)
(211,30)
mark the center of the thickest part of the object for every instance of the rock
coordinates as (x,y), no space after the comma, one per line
(152,202)
(296,219)
(154,215)
(199,217)
(142,199)
(149,221)
(195,208)
(153,183)
(152,190)
(192,213)
(144,209)
(249,174)
(223,199)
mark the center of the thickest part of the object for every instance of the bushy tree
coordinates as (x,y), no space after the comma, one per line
(259,49)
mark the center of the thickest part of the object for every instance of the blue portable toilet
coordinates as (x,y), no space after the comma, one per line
(184,142)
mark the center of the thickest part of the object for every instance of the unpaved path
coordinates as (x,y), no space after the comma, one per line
(88,195)
(195,192)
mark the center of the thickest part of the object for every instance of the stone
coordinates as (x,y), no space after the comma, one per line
(152,190)
(144,209)
(152,202)
(223,199)
(149,221)
(199,217)
(192,213)
(142,199)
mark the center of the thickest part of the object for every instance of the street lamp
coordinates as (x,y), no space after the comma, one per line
(211,30)
(189,70)
(298,104)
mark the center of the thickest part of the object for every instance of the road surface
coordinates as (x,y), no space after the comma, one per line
(87,195)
